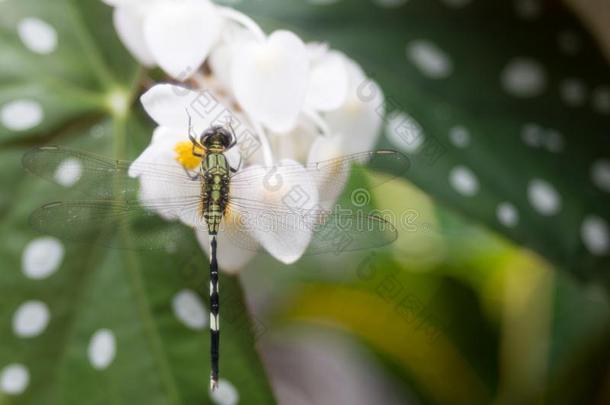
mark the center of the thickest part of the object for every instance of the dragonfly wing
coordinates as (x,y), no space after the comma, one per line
(340,233)
(104,178)
(330,176)
(105,222)
(287,232)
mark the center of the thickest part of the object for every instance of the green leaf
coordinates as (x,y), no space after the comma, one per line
(85,88)
(75,76)
(477,44)
(158,359)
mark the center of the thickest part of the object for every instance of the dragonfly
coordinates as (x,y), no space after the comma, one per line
(210,197)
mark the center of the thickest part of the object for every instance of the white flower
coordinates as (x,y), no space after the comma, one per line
(170,106)
(329,82)
(358,121)
(175,34)
(275,79)
(297,103)
(271,79)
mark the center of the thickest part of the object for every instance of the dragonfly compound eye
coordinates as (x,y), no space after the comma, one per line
(216,137)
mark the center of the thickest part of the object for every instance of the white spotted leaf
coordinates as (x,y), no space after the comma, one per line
(59,65)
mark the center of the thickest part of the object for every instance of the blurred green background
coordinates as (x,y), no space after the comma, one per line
(496,291)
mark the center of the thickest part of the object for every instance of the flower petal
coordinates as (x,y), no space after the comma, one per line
(231,258)
(221,58)
(325,148)
(271,80)
(220,62)
(279,196)
(317,50)
(170,106)
(329,83)
(161,152)
(181,35)
(356,127)
(359,120)
(295,144)
(128,24)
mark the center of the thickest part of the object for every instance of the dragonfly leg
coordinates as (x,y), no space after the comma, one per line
(234,141)
(190,175)
(193,138)
(196,144)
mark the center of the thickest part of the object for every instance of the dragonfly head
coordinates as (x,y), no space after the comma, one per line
(217,139)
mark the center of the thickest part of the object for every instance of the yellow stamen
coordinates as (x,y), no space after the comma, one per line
(185,156)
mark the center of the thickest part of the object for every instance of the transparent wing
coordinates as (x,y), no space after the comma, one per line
(290,229)
(115,213)
(101,177)
(150,223)
(330,176)
(127,224)
(281,215)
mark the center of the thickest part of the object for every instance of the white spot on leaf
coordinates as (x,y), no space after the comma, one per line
(601,100)
(404,132)
(42,257)
(573,92)
(429,59)
(118,102)
(535,136)
(68,172)
(569,42)
(524,77)
(528,9)
(14,379)
(322,2)
(102,349)
(553,141)
(225,394)
(189,309)
(390,3)
(20,115)
(532,135)
(456,3)
(459,136)
(595,235)
(507,214)
(31,319)
(37,35)
(464,181)
(600,174)
(543,197)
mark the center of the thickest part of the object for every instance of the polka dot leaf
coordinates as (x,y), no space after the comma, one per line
(58,66)
(79,321)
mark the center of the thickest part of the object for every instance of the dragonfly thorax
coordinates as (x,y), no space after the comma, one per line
(215,188)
